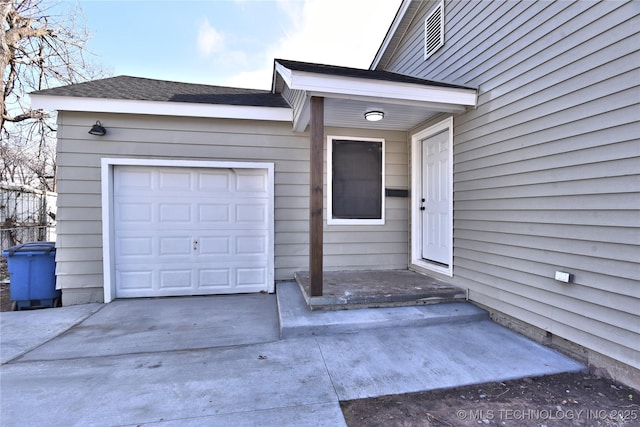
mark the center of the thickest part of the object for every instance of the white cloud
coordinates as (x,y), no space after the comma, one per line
(257,79)
(209,40)
(335,32)
(339,32)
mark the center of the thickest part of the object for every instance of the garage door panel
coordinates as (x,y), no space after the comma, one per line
(175,213)
(232,244)
(211,278)
(236,278)
(174,179)
(135,280)
(214,213)
(134,212)
(213,181)
(135,246)
(251,245)
(175,246)
(251,182)
(214,245)
(191,231)
(251,213)
(133,179)
(249,276)
(174,278)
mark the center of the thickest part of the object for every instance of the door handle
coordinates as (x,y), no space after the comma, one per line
(195,245)
(422,208)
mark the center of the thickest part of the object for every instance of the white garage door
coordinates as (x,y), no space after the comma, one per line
(190,231)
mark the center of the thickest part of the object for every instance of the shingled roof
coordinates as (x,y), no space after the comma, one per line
(333,70)
(142,89)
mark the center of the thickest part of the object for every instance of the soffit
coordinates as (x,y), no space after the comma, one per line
(349,93)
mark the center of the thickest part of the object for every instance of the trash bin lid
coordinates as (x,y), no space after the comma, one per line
(40,248)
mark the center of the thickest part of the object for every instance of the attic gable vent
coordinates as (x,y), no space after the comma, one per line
(434,31)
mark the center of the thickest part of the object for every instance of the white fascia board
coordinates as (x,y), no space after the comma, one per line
(182,109)
(331,86)
(284,72)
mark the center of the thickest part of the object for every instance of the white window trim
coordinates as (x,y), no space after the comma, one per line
(440,8)
(416,185)
(108,249)
(342,221)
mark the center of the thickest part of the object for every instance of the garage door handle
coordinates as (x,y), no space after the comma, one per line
(195,245)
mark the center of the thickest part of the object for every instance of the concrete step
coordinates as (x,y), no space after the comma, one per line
(376,288)
(297,320)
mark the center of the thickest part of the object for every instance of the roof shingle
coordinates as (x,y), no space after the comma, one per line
(142,89)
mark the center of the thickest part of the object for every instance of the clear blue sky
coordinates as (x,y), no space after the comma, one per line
(232,42)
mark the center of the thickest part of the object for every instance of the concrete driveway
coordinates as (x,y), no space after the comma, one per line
(220,361)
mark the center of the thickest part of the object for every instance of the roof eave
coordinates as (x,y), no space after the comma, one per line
(181,109)
(343,86)
(332,86)
(431,97)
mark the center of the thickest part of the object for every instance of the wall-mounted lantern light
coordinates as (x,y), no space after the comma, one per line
(98,129)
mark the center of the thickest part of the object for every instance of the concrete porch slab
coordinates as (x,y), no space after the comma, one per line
(404,360)
(379,351)
(298,320)
(376,288)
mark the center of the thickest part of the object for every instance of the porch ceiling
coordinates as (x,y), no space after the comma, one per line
(350,113)
(349,93)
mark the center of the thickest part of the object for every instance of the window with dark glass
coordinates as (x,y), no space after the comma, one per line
(356,179)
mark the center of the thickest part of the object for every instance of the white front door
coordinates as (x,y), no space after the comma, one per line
(190,231)
(432,198)
(435,198)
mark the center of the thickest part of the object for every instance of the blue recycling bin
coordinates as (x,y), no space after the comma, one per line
(32,274)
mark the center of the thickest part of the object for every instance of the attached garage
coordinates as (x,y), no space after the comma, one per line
(187,228)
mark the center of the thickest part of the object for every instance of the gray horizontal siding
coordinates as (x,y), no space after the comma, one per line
(79,253)
(547,167)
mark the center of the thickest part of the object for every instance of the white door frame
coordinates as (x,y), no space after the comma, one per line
(108,247)
(416,184)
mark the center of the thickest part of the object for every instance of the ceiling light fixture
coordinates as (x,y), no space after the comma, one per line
(374,116)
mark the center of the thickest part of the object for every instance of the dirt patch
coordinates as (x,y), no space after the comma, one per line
(576,399)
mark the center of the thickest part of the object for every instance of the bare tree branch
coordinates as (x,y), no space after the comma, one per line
(42,44)
(31,114)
